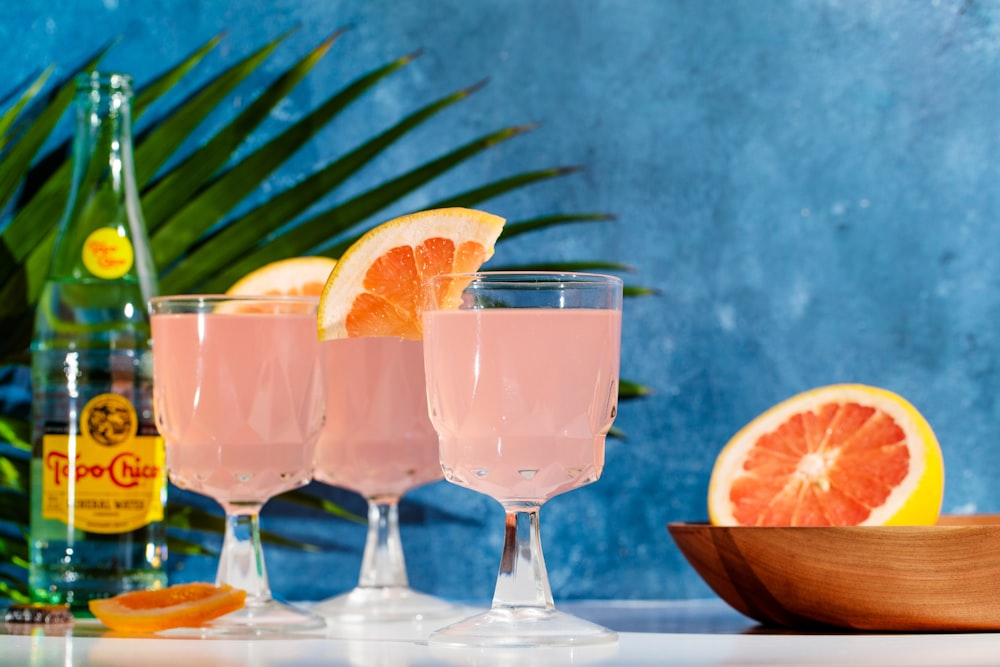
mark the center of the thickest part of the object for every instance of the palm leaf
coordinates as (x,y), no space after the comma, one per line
(175,237)
(183,182)
(628,390)
(26,240)
(636,290)
(14,551)
(187,201)
(160,142)
(44,205)
(14,464)
(12,114)
(17,298)
(503,186)
(164,84)
(30,251)
(13,589)
(304,499)
(178,545)
(13,506)
(240,235)
(518,228)
(14,474)
(21,235)
(310,235)
(192,518)
(15,431)
(564,267)
(243,234)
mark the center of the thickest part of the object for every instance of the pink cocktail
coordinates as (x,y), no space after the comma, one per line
(241,428)
(517,422)
(522,386)
(239,399)
(378,442)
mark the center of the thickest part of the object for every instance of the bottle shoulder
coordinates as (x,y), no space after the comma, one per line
(91,314)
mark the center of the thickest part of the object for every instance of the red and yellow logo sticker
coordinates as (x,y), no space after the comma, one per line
(106,478)
(107,254)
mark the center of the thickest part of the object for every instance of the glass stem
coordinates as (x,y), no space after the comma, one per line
(382,564)
(522,580)
(241,564)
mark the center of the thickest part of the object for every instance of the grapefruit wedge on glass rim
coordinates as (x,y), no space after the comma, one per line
(376,288)
(840,455)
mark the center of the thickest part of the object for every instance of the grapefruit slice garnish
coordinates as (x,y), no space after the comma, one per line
(178,606)
(296,276)
(377,287)
(841,455)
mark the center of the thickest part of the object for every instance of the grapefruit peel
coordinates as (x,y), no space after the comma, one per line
(178,606)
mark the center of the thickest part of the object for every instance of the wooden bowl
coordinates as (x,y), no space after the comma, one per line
(943,578)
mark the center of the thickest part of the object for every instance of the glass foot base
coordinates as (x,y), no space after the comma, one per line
(258,617)
(522,627)
(383,603)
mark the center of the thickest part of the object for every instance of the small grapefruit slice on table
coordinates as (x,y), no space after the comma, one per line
(178,606)
(841,455)
(377,287)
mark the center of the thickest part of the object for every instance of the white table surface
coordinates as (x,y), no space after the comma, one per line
(689,633)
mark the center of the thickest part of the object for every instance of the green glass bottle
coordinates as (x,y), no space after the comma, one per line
(98,472)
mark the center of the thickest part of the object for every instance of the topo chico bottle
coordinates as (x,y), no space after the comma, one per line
(98,479)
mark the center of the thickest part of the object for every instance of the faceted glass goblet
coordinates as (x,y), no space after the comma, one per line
(522,388)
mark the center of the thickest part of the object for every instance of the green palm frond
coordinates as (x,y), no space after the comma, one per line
(243,233)
(14,551)
(157,143)
(8,118)
(13,474)
(12,588)
(43,182)
(312,234)
(13,506)
(311,501)
(164,84)
(16,432)
(207,194)
(193,519)
(198,240)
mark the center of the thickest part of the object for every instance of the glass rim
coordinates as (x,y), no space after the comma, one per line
(101,78)
(514,277)
(234,297)
(211,299)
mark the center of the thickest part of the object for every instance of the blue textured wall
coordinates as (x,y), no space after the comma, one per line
(811,186)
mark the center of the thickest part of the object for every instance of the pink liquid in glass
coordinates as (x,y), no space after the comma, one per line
(378,440)
(239,400)
(522,398)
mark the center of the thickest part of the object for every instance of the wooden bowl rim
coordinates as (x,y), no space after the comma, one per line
(945,522)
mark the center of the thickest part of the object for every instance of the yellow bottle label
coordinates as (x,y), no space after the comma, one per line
(105,479)
(107,254)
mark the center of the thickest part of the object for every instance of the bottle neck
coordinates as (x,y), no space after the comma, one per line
(102,234)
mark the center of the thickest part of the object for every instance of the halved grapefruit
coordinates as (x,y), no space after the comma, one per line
(840,455)
(295,276)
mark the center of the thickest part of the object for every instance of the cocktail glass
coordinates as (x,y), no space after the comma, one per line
(238,394)
(522,386)
(379,443)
